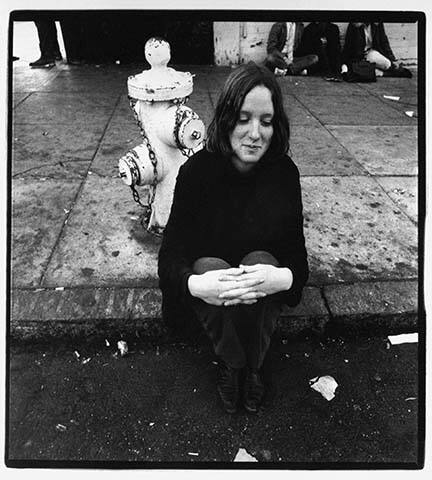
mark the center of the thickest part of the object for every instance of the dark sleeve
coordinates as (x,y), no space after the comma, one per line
(273,38)
(174,263)
(292,250)
(385,44)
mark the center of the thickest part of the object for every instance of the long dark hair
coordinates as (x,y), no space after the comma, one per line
(240,82)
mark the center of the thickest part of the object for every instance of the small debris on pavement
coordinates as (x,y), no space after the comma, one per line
(410,113)
(44,134)
(77,355)
(157,350)
(66,210)
(346,360)
(193,453)
(215,363)
(284,341)
(123,347)
(377,377)
(403,338)
(134,217)
(116,253)
(151,424)
(391,97)
(243,456)
(306,355)
(107,343)
(60,289)
(60,427)
(325,385)
(266,454)
(86,360)
(410,398)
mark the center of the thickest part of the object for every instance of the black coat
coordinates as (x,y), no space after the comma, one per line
(278,35)
(355,43)
(219,212)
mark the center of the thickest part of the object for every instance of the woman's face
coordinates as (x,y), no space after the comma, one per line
(252,134)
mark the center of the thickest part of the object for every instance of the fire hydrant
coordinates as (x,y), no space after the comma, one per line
(171,132)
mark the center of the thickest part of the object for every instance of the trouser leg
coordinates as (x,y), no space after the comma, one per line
(301,63)
(47,34)
(275,60)
(259,319)
(381,62)
(219,322)
(333,48)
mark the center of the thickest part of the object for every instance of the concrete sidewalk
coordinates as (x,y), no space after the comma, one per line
(81,262)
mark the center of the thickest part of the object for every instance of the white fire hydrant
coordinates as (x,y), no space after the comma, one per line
(171,132)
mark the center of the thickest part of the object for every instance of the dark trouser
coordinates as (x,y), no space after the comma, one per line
(47,34)
(277,60)
(329,53)
(240,333)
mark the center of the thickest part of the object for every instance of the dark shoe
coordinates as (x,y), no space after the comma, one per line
(253,391)
(75,61)
(43,62)
(228,388)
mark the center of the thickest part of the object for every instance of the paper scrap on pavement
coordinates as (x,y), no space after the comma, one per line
(409,113)
(123,347)
(391,97)
(404,338)
(325,385)
(243,456)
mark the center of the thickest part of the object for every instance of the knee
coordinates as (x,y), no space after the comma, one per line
(207,264)
(259,256)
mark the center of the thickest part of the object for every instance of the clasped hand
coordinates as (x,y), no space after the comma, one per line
(239,285)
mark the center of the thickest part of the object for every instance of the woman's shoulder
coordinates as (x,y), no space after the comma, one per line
(286,164)
(200,162)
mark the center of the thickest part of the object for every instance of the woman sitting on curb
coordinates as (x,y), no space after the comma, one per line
(233,249)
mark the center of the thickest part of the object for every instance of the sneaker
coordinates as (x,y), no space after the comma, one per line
(228,388)
(253,391)
(43,62)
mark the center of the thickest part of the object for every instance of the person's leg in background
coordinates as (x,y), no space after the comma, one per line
(381,62)
(299,64)
(333,49)
(258,324)
(276,63)
(220,324)
(48,44)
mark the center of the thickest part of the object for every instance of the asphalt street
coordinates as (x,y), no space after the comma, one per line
(158,403)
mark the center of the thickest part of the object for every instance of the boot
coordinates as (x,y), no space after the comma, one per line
(228,387)
(253,392)
(43,62)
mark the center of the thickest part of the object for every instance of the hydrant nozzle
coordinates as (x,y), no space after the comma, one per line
(196,135)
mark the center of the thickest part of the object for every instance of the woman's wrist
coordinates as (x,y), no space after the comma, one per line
(192,284)
(286,278)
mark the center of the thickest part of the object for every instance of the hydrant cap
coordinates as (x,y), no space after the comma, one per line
(160,83)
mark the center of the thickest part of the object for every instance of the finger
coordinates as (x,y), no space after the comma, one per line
(250,276)
(252,268)
(235,292)
(248,302)
(251,282)
(230,273)
(230,303)
(252,295)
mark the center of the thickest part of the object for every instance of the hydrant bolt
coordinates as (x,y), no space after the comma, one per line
(196,135)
